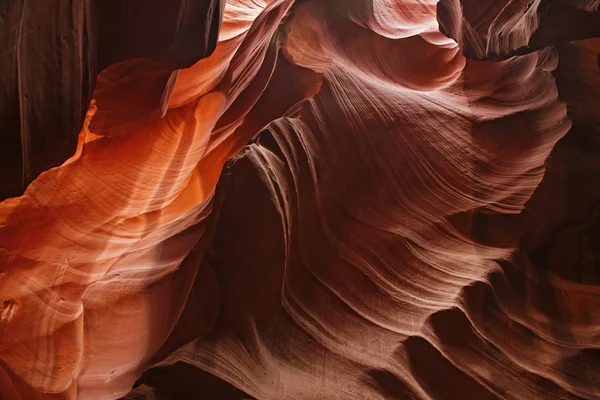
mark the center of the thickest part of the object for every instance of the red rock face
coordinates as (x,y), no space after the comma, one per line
(368,199)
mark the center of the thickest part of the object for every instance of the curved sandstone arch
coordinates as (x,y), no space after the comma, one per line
(314,199)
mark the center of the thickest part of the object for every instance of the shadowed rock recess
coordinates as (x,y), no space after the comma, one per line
(303,200)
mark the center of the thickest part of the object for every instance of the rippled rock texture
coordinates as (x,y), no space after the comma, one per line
(360,199)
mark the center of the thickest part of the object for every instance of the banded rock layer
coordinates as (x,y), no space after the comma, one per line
(368,199)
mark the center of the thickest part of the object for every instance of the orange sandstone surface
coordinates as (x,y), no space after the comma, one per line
(310,199)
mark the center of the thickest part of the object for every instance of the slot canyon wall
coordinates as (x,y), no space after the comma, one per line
(310,199)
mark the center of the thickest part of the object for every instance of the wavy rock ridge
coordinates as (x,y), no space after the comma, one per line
(369,199)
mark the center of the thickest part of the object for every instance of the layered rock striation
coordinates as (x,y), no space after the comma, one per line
(368,199)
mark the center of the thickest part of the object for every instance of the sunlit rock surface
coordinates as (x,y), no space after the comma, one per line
(362,199)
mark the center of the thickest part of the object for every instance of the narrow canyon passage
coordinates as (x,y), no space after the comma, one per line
(310,199)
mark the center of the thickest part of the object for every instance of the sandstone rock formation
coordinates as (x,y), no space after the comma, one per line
(361,199)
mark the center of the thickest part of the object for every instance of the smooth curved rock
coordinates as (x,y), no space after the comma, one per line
(499,29)
(337,201)
(51,53)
